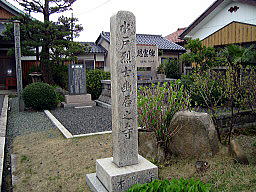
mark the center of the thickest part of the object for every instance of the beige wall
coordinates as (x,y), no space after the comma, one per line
(106,45)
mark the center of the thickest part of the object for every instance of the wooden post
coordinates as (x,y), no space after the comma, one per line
(18,63)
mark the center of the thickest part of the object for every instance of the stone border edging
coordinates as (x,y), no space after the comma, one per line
(55,121)
(3,124)
(13,168)
(102,104)
(90,134)
(65,132)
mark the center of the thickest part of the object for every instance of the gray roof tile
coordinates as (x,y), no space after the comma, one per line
(93,48)
(147,39)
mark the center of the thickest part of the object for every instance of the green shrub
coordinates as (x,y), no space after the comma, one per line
(157,105)
(196,98)
(205,91)
(174,185)
(93,81)
(172,69)
(60,93)
(161,69)
(60,75)
(39,96)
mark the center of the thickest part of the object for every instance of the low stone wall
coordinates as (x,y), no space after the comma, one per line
(105,96)
(242,119)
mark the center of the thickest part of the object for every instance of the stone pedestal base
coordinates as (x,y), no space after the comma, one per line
(112,178)
(78,100)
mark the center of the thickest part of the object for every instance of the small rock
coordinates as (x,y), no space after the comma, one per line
(201,166)
(236,151)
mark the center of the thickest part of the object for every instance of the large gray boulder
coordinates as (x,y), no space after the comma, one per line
(194,135)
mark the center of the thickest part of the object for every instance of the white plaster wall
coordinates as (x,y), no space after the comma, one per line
(245,13)
(100,57)
(106,45)
(86,57)
(28,58)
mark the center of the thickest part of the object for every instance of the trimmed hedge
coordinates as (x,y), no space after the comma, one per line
(39,96)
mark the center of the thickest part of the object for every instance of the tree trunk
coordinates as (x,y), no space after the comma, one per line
(45,55)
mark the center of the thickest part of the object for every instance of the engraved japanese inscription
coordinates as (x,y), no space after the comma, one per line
(147,61)
(124,89)
(77,79)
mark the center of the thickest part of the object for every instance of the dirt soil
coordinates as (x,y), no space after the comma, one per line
(46,161)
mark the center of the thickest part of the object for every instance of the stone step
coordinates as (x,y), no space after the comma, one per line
(89,103)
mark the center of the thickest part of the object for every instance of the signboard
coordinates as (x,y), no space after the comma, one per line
(147,61)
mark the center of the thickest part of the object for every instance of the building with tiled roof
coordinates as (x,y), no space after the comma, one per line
(174,37)
(225,22)
(147,39)
(94,56)
(166,48)
(7,63)
(7,11)
(91,47)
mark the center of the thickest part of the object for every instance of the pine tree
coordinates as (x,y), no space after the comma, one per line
(52,35)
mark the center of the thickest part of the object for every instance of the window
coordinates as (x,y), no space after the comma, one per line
(144,69)
(99,65)
(89,64)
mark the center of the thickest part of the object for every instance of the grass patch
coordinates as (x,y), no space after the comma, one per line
(23,158)
(49,162)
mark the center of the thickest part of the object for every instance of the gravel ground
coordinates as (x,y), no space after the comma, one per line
(85,120)
(1,103)
(26,122)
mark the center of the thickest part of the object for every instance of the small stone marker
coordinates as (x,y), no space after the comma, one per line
(78,96)
(126,168)
(77,79)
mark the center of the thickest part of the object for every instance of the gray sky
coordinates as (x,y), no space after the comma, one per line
(160,17)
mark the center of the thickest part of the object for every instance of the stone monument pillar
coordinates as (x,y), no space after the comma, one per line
(126,167)
(124,89)
(77,87)
(76,79)
(18,63)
